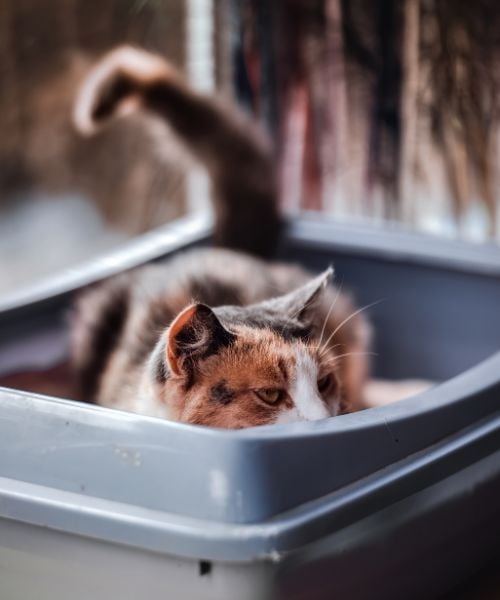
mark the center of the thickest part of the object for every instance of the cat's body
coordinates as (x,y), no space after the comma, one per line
(214,336)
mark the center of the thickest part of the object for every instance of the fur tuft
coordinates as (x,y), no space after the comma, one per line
(115,86)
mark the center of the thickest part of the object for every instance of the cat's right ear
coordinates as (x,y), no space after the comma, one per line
(301,303)
(195,334)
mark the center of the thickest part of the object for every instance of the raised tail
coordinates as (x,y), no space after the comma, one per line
(234,151)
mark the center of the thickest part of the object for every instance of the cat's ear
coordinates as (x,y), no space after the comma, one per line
(195,334)
(301,303)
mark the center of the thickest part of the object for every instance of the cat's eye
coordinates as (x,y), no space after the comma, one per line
(270,396)
(325,383)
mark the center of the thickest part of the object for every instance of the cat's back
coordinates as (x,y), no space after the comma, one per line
(213,276)
(117,323)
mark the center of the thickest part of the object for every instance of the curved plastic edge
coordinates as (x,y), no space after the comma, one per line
(269,540)
(394,243)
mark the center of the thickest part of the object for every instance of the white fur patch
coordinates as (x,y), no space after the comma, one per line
(290,415)
(308,404)
(145,400)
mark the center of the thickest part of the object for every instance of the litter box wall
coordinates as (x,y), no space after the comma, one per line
(272,511)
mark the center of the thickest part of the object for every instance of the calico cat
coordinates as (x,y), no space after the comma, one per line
(213,336)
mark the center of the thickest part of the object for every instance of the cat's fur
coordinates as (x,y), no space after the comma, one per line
(213,336)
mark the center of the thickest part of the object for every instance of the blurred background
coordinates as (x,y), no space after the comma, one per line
(384,110)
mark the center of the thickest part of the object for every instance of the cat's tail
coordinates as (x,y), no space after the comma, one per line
(236,154)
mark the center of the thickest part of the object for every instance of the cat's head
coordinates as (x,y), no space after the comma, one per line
(238,367)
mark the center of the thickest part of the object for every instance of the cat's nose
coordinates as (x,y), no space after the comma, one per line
(309,406)
(312,408)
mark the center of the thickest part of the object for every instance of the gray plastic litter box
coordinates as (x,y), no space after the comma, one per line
(401,501)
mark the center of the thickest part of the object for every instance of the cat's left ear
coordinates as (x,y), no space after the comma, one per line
(195,334)
(301,303)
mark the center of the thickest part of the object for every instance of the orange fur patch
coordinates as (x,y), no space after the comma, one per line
(226,385)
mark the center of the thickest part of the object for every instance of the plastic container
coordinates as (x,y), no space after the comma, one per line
(400,501)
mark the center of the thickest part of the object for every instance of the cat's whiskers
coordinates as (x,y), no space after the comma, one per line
(329,313)
(346,320)
(319,348)
(339,356)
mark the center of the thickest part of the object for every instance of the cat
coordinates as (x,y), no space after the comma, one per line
(214,336)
